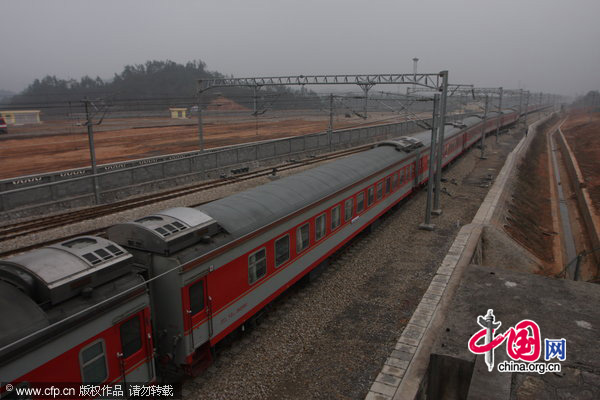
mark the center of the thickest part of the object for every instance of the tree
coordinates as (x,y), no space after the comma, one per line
(152,85)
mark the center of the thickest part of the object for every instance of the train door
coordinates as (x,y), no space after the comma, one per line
(135,355)
(198,306)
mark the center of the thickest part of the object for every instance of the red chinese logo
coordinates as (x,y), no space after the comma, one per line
(523,341)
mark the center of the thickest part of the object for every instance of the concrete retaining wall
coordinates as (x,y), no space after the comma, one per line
(23,196)
(404,374)
(584,200)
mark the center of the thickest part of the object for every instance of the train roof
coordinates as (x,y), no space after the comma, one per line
(52,274)
(19,315)
(252,209)
(245,212)
(47,285)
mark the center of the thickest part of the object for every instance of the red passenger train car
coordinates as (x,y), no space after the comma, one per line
(74,312)
(222,262)
(92,310)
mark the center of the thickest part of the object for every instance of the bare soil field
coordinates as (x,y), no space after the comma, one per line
(583,134)
(60,145)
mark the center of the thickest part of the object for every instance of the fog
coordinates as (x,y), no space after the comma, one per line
(540,45)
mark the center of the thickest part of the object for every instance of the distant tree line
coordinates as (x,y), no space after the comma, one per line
(153,85)
(591,99)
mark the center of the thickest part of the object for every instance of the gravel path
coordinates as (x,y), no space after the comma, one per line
(329,338)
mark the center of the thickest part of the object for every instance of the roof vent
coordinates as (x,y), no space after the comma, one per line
(53,274)
(165,232)
(403,143)
(457,124)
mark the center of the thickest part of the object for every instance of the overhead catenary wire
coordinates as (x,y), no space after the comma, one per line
(111,298)
(91,308)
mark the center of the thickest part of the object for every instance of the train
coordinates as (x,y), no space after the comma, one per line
(159,293)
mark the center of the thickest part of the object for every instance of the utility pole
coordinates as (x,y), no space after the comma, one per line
(520,102)
(437,210)
(201,136)
(526,108)
(521,109)
(254,100)
(427,225)
(365,87)
(255,106)
(90,132)
(330,129)
(483,127)
(500,114)
(415,61)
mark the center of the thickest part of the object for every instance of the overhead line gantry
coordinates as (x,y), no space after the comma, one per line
(431,81)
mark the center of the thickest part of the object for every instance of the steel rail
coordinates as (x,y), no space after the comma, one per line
(15,230)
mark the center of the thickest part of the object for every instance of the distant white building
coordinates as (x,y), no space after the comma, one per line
(21,117)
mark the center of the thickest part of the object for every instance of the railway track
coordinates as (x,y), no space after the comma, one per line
(16,230)
(391,268)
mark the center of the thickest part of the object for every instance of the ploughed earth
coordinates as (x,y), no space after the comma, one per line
(529,218)
(60,145)
(583,134)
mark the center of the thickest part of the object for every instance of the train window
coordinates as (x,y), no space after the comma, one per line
(370,195)
(92,359)
(402,176)
(282,250)
(388,184)
(196,293)
(379,190)
(302,238)
(348,209)
(360,202)
(395,181)
(335,217)
(257,265)
(131,336)
(320,227)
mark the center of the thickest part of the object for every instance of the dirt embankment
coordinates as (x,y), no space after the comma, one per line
(45,153)
(582,132)
(529,219)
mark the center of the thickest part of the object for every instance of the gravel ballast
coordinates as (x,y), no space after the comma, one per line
(330,338)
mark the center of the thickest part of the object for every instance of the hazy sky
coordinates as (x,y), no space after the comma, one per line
(547,45)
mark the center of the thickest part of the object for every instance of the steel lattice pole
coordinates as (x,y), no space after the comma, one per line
(90,131)
(201,135)
(499,115)
(437,210)
(427,225)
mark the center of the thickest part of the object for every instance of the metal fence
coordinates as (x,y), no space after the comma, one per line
(123,179)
